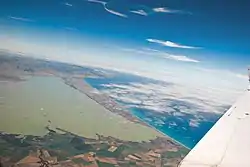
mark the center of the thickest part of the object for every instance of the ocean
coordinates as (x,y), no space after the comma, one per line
(176,126)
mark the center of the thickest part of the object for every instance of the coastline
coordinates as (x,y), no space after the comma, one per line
(58,105)
(138,120)
(82,86)
(165,135)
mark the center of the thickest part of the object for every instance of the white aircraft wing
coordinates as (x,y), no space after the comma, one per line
(227,143)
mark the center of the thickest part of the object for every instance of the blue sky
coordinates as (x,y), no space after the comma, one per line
(182,41)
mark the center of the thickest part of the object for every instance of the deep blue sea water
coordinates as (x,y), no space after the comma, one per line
(182,132)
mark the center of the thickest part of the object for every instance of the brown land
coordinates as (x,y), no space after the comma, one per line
(103,151)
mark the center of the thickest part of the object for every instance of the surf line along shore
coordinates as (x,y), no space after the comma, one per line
(104,100)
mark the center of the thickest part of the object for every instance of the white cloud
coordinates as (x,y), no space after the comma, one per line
(154,52)
(68,4)
(158,10)
(164,10)
(151,50)
(107,9)
(180,58)
(21,19)
(114,12)
(139,51)
(194,123)
(167,10)
(165,71)
(140,12)
(226,72)
(97,1)
(171,44)
(241,76)
(166,98)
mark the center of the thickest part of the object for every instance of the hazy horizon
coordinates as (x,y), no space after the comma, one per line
(171,41)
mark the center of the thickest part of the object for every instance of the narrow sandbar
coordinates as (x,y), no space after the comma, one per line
(28,107)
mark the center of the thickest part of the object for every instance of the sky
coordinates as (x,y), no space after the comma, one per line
(196,43)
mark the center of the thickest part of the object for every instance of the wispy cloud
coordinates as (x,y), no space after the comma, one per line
(107,9)
(167,10)
(97,1)
(241,76)
(71,28)
(148,11)
(140,12)
(162,100)
(114,12)
(150,49)
(171,44)
(166,97)
(154,52)
(180,58)
(139,51)
(230,73)
(20,19)
(68,4)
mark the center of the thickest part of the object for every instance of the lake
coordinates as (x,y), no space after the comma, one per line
(28,107)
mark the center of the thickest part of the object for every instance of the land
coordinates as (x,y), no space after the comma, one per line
(18,68)
(62,148)
(46,101)
(59,147)
(101,99)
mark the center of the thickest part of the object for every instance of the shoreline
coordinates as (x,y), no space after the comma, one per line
(139,120)
(75,77)
(52,107)
(165,135)
(82,86)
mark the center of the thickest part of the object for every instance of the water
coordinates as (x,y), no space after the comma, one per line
(28,107)
(182,133)
(174,125)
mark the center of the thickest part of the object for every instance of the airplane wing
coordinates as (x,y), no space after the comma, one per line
(227,143)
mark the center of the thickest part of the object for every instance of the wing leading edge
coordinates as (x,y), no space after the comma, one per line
(227,143)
